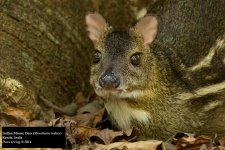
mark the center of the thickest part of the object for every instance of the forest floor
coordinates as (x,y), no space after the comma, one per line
(91,129)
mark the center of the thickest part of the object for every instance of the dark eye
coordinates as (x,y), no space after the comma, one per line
(135,59)
(96,56)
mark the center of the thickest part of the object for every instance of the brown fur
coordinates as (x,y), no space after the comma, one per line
(187,31)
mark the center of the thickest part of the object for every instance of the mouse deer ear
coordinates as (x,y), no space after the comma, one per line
(147,28)
(96,25)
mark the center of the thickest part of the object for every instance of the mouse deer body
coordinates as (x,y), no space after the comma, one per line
(167,73)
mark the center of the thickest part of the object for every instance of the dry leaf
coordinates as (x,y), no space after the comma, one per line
(34,149)
(185,141)
(62,122)
(83,132)
(219,148)
(38,123)
(70,126)
(17,112)
(222,141)
(73,130)
(203,139)
(88,119)
(85,147)
(180,135)
(11,120)
(191,143)
(98,116)
(83,119)
(141,145)
(107,136)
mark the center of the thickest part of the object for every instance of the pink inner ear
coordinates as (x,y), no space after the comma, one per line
(147,28)
(95,25)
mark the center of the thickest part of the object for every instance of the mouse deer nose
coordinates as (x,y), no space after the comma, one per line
(109,79)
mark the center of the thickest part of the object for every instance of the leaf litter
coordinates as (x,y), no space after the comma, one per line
(90,129)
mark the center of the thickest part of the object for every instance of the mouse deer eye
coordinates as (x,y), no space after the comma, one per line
(97,55)
(135,59)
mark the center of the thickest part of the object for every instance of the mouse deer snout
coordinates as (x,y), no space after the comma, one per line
(109,79)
